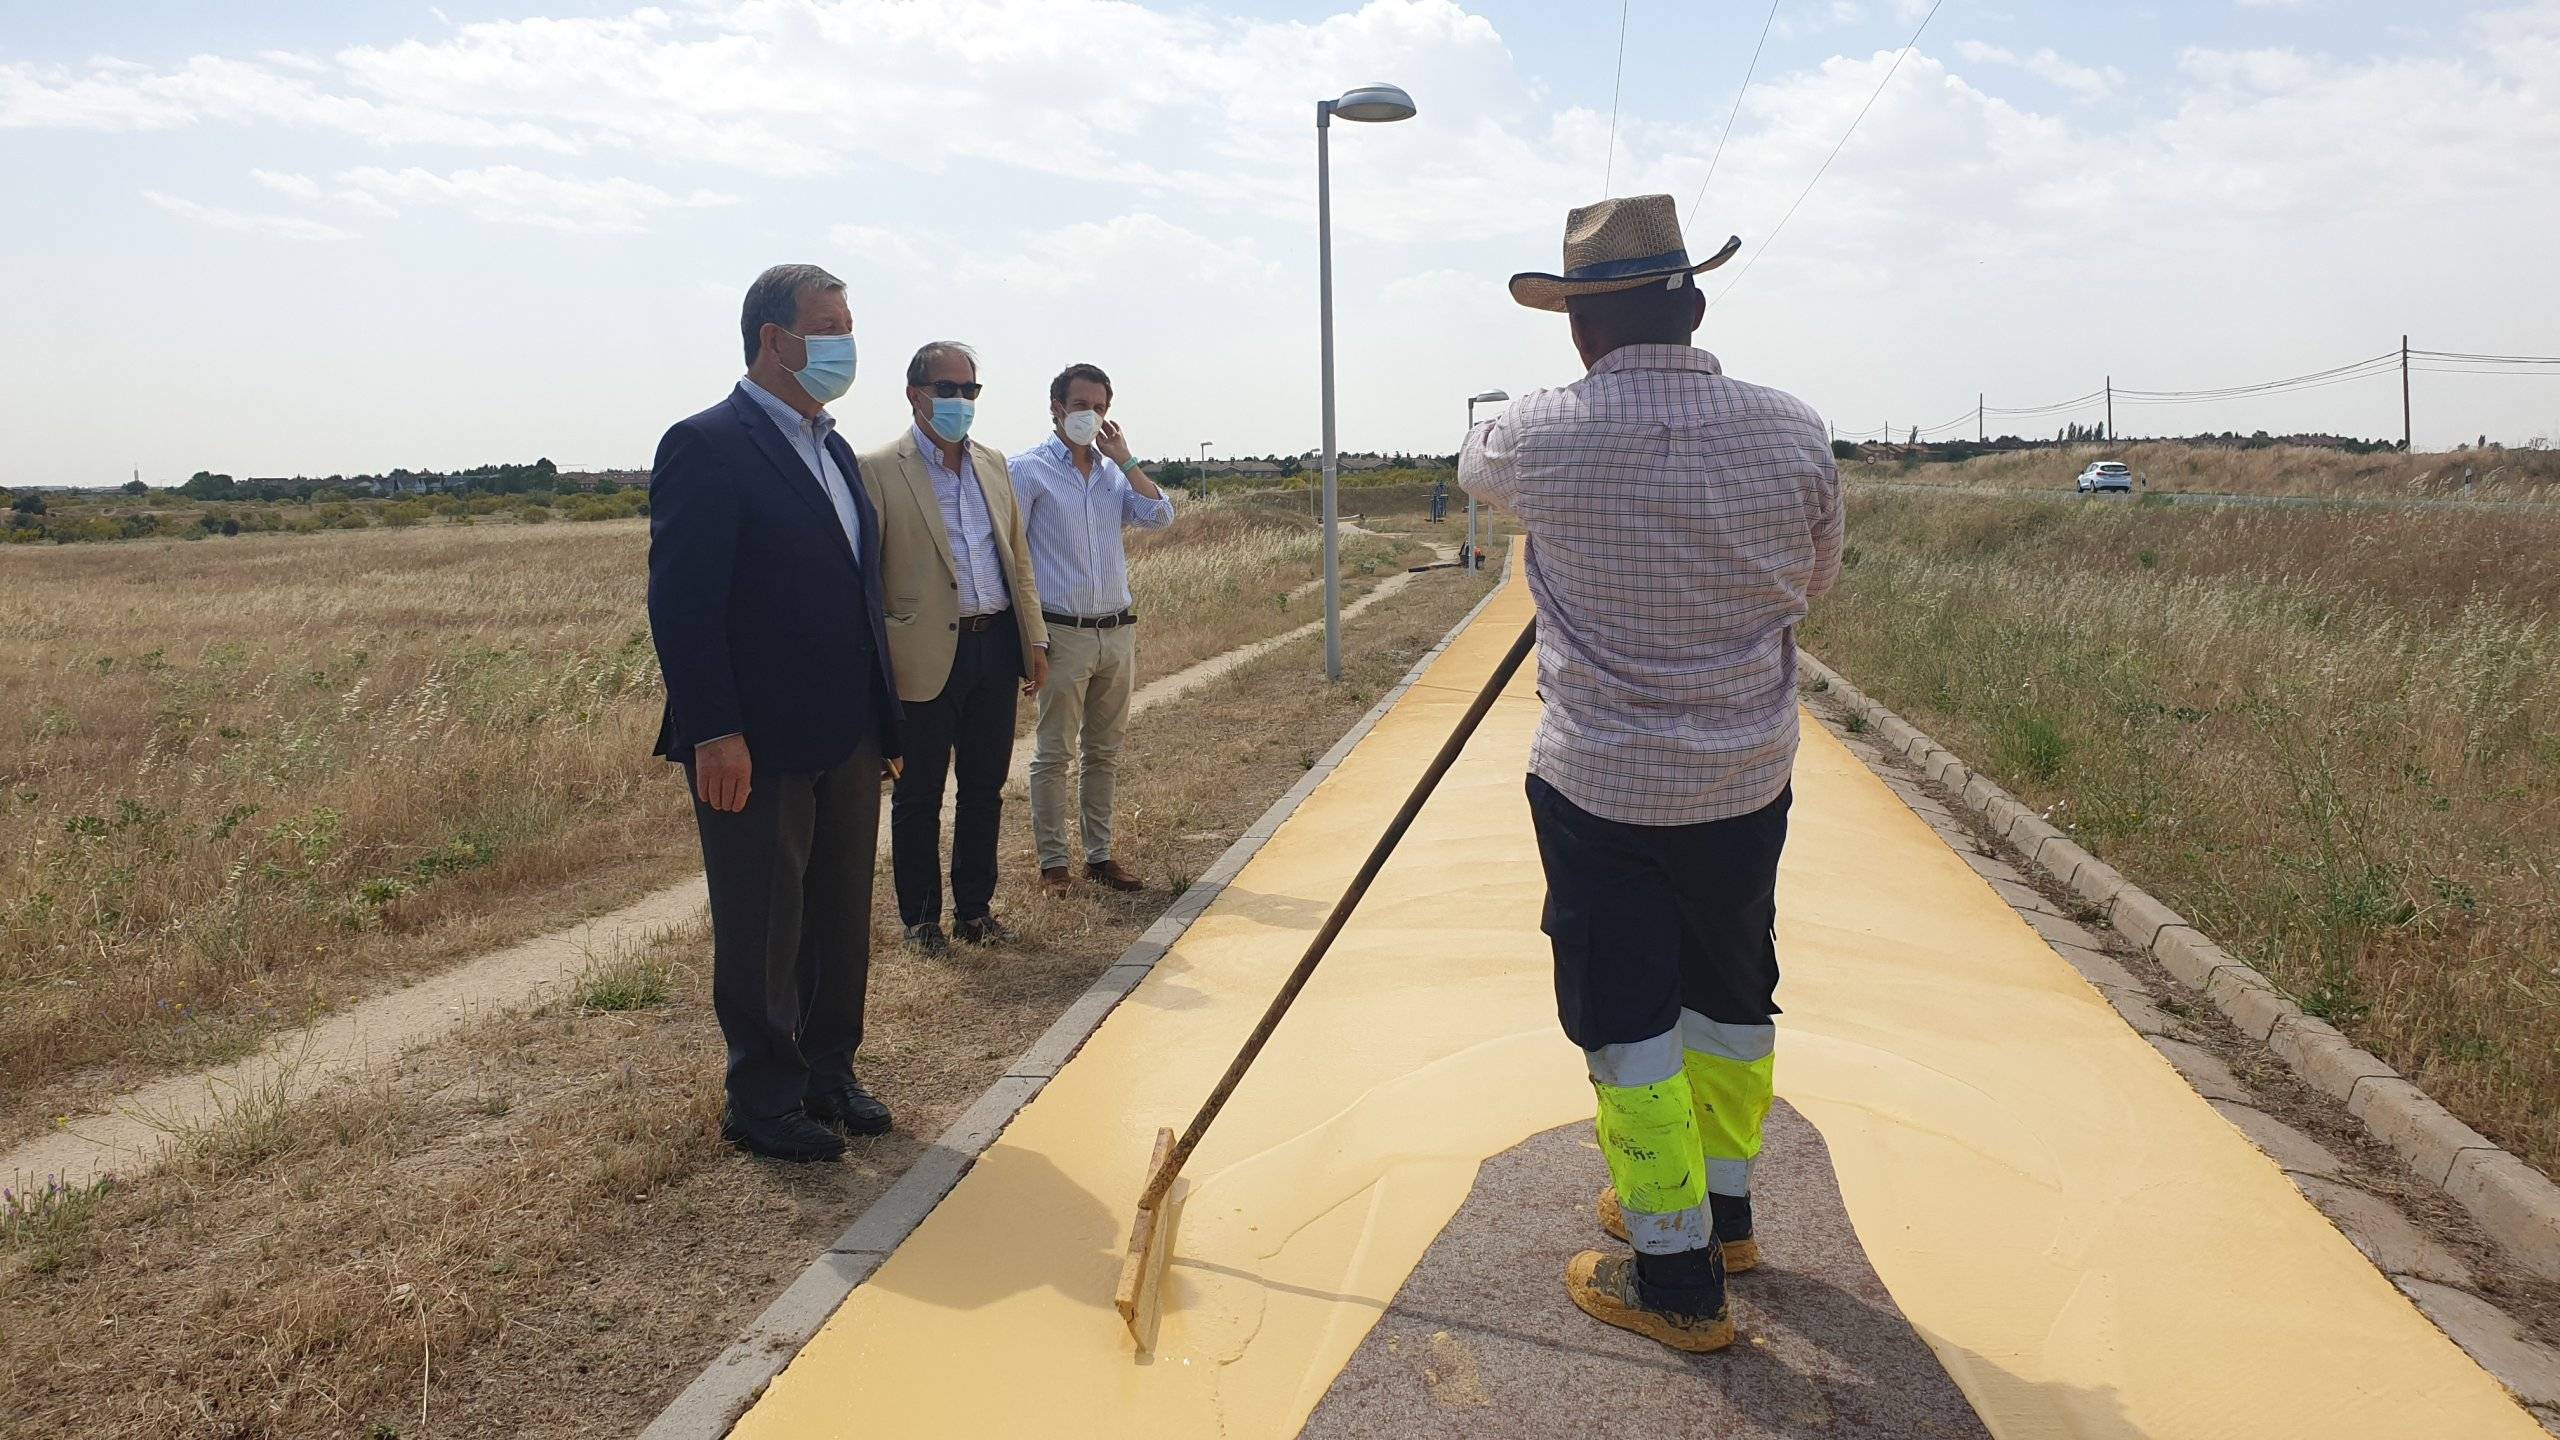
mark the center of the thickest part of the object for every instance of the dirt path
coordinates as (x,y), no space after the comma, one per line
(134,1129)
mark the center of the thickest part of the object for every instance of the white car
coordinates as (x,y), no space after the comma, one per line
(2107,475)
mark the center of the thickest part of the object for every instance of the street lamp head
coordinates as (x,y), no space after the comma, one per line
(1487,397)
(1374,103)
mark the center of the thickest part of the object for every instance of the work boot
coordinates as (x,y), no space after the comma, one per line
(1108,872)
(1056,880)
(1607,1288)
(1732,1214)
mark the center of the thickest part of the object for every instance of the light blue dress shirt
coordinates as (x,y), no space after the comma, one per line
(965,519)
(809,439)
(1074,522)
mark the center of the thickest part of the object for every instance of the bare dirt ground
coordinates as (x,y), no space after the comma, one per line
(530,1228)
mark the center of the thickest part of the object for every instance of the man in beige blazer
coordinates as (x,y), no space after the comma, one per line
(965,641)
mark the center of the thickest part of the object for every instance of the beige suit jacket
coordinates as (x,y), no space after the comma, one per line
(919,584)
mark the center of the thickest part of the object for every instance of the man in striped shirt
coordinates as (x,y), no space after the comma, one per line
(1679,522)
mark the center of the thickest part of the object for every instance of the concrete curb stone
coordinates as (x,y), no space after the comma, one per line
(2516,1204)
(2424,1132)
(2493,1182)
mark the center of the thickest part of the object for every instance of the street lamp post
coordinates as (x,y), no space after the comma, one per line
(1370,104)
(1487,398)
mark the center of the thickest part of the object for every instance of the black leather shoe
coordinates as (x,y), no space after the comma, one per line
(782,1137)
(849,1108)
(927,939)
(984,930)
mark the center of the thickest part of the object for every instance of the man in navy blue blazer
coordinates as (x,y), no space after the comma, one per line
(764,601)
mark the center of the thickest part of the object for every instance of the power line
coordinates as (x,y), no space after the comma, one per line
(2372,364)
(1616,81)
(2389,363)
(1890,71)
(1748,71)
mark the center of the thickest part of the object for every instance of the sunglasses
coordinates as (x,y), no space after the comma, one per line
(954,389)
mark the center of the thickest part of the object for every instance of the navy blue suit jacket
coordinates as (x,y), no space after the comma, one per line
(766,622)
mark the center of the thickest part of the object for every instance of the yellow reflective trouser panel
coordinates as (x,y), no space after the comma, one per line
(1648,1122)
(1731,1071)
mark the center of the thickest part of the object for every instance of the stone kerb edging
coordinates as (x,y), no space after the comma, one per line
(2515,1203)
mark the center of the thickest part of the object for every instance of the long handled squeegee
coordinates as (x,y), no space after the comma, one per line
(1151,1238)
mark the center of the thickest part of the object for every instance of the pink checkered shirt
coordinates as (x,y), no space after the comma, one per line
(1679,522)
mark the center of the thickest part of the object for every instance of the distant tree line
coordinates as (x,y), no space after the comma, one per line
(540,476)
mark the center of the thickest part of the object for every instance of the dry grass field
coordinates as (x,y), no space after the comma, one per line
(2330,737)
(2532,475)
(530,1228)
(249,779)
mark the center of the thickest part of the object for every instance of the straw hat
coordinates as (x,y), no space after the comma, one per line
(1616,245)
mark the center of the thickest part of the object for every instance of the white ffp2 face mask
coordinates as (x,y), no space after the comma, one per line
(1081,426)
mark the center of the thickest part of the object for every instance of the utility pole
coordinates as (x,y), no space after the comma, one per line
(1980,435)
(2404,395)
(2111,409)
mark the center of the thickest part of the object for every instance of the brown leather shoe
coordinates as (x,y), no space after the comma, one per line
(1109,873)
(1055,880)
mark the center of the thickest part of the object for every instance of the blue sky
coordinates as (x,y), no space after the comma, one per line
(276,239)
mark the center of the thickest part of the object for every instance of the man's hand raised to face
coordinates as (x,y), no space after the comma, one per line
(721,771)
(1112,443)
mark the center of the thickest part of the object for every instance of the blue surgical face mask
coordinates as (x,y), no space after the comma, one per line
(951,418)
(829,373)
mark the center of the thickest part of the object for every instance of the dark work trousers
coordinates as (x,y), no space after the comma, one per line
(1651,920)
(790,880)
(967,729)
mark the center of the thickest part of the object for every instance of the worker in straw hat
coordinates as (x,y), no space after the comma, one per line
(1679,521)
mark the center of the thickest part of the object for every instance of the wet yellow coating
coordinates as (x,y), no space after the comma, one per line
(2092,1250)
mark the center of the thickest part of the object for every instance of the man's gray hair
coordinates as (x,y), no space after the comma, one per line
(775,300)
(934,350)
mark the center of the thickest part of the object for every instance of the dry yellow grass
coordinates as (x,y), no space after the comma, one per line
(530,1229)
(253,777)
(2332,738)
(250,779)
(2275,470)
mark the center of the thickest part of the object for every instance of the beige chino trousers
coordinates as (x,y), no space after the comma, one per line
(1084,711)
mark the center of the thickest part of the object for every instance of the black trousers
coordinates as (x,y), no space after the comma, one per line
(967,729)
(1650,920)
(790,880)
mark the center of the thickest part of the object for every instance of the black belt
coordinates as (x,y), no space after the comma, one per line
(972,624)
(1078,622)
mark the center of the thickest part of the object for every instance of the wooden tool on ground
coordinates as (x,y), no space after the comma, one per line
(1151,1238)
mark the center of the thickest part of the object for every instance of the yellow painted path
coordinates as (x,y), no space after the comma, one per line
(2090,1248)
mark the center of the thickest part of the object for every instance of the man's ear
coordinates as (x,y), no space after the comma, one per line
(1697,305)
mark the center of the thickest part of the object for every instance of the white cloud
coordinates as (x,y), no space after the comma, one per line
(1144,250)
(300,187)
(282,227)
(510,195)
(2085,81)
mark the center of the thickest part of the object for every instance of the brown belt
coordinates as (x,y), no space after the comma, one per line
(972,624)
